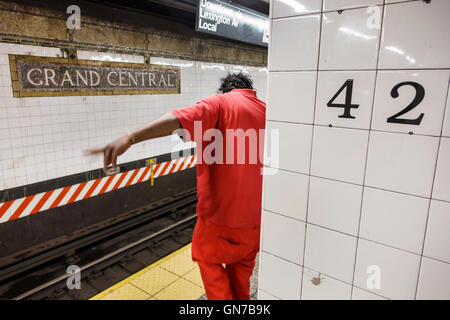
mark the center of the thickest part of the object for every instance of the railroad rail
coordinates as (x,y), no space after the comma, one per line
(104,257)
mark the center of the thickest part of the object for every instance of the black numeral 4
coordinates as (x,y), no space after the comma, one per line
(348,106)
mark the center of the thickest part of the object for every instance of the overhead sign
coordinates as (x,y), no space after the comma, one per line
(42,76)
(232,21)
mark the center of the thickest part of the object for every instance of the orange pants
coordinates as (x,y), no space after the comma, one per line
(226,257)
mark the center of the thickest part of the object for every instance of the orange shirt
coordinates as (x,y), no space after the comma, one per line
(229,193)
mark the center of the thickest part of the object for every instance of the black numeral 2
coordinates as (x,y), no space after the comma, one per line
(348,106)
(420,94)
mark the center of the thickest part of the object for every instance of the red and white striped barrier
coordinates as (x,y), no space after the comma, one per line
(29,205)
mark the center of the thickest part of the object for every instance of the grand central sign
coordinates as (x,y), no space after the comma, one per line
(42,76)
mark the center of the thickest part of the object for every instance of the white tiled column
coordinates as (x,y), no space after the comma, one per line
(360,205)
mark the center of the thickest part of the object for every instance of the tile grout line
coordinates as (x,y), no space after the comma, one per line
(359,185)
(192,282)
(263,200)
(360,70)
(380,35)
(431,194)
(354,128)
(171,283)
(348,235)
(311,149)
(265,291)
(140,289)
(336,10)
(326,274)
(179,277)
(152,266)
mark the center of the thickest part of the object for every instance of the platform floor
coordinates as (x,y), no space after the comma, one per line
(174,277)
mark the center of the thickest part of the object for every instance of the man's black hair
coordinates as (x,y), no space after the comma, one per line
(235,81)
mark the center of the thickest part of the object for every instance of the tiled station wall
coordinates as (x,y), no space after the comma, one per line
(44,138)
(363,198)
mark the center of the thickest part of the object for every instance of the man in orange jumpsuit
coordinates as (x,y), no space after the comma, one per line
(227,128)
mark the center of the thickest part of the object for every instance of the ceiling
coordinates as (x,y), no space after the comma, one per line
(183,11)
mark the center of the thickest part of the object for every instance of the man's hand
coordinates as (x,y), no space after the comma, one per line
(112,151)
(161,127)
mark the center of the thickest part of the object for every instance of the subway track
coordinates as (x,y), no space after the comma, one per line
(104,258)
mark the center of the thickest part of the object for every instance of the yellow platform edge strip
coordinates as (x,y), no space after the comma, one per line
(137,274)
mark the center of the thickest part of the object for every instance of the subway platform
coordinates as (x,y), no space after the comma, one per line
(342,107)
(175,277)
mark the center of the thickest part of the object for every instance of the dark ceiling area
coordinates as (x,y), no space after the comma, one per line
(144,13)
(183,11)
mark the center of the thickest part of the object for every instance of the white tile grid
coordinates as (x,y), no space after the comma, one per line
(292,8)
(400,251)
(43,138)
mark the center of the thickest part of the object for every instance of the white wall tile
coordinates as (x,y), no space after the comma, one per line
(359,294)
(404,42)
(434,280)
(358,86)
(287,45)
(396,1)
(286,193)
(398,270)
(286,8)
(339,154)
(324,289)
(401,162)
(446,128)
(437,241)
(346,4)
(7,48)
(107,56)
(400,168)
(283,237)
(291,96)
(335,205)
(61,127)
(330,252)
(294,145)
(280,278)
(347,42)
(394,219)
(431,94)
(262,295)
(441,189)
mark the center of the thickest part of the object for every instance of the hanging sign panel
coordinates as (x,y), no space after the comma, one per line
(42,76)
(232,21)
